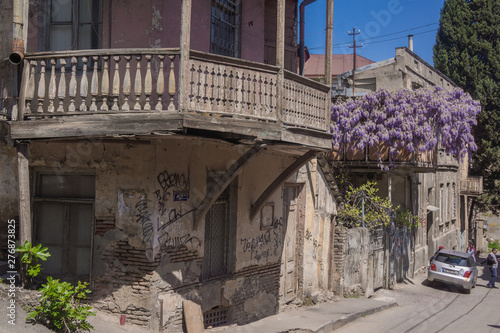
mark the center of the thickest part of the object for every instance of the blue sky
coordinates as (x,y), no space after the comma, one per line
(384,25)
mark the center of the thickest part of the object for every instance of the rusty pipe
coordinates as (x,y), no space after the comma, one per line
(17,54)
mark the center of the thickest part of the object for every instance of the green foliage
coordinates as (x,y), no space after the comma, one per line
(363,207)
(493,245)
(467,50)
(60,306)
(31,255)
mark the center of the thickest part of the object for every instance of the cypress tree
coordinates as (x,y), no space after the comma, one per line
(467,50)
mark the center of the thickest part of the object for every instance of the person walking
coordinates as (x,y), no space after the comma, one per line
(492,263)
(471,249)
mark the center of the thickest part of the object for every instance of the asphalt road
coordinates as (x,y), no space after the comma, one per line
(436,308)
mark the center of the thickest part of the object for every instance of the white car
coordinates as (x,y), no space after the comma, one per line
(453,267)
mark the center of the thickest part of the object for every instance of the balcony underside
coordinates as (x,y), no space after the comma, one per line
(161,123)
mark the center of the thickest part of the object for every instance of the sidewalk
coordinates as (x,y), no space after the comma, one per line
(320,318)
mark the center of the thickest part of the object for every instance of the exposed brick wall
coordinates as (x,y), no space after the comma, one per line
(115,278)
(257,279)
(104,224)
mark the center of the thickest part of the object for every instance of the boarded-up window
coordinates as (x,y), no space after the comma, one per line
(63,221)
(219,230)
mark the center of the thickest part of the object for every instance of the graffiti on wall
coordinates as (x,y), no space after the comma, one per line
(314,242)
(157,222)
(266,244)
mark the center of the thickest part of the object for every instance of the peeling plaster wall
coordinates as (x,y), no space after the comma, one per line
(9,207)
(360,256)
(145,246)
(320,211)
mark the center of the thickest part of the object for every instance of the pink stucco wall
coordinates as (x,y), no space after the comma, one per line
(156,23)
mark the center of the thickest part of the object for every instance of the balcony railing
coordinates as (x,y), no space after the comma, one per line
(380,153)
(87,82)
(472,185)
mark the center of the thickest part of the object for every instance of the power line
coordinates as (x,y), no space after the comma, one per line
(367,41)
(343,45)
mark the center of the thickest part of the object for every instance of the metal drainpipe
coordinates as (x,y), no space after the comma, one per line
(17,55)
(301,37)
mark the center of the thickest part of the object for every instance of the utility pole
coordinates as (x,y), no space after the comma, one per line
(354,46)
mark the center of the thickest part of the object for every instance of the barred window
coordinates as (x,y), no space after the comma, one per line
(224,33)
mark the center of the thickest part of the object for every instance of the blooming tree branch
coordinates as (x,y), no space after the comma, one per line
(407,119)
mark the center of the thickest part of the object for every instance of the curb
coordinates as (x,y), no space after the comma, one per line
(338,323)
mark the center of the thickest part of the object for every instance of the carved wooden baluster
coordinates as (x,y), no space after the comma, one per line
(52,86)
(171,84)
(213,89)
(72,85)
(41,87)
(84,85)
(30,93)
(115,89)
(217,88)
(61,92)
(225,90)
(254,94)
(201,88)
(105,84)
(138,83)
(231,84)
(160,84)
(148,83)
(265,96)
(206,89)
(126,84)
(94,85)
(238,92)
(192,86)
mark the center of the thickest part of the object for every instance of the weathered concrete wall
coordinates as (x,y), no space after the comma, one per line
(359,260)
(145,246)
(9,207)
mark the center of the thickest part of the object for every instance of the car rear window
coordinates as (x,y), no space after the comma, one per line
(451,259)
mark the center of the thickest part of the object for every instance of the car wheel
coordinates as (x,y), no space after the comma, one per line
(474,283)
(467,291)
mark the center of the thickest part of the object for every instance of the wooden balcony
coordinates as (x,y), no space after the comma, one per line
(472,186)
(378,155)
(141,91)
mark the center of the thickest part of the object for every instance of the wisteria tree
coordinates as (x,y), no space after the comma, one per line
(414,120)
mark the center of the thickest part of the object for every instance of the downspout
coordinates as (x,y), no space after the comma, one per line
(17,55)
(301,36)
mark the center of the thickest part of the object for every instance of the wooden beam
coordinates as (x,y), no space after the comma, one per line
(185,44)
(280,34)
(329,43)
(280,180)
(224,181)
(23,174)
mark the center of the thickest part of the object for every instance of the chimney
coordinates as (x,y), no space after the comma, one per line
(410,42)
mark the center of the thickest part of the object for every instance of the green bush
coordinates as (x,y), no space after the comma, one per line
(31,255)
(493,245)
(60,306)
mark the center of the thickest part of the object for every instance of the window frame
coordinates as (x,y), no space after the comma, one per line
(235,51)
(44,36)
(37,199)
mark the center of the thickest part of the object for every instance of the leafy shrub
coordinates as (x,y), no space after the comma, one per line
(364,207)
(60,306)
(31,255)
(493,245)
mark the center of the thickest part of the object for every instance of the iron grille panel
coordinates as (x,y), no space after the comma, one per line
(224,29)
(215,317)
